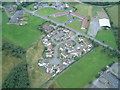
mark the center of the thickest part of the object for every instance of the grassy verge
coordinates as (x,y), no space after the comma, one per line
(85,70)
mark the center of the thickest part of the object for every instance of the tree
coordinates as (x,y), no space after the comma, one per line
(18,77)
(76,58)
(97,76)
(14,50)
(19,7)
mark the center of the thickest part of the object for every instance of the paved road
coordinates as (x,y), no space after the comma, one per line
(55,60)
(79,33)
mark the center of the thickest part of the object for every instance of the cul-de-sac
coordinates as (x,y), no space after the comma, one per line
(59,44)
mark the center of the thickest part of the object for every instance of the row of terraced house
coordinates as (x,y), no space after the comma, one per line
(83,18)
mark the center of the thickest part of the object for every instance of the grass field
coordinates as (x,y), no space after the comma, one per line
(0,70)
(37,75)
(31,7)
(76,25)
(60,19)
(108,37)
(22,36)
(48,11)
(8,63)
(113,14)
(0,23)
(95,10)
(81,73)
(84,10)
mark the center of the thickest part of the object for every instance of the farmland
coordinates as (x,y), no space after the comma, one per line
(85,70)
(22,36)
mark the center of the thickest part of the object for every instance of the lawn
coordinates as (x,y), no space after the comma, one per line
(60,19)
(37,75)
(84,71)
(22,36)
(113,14)
(76,25)
(108,37)
(48,11)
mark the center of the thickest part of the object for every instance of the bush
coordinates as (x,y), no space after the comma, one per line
(76,58)
(97,76)
(104,69)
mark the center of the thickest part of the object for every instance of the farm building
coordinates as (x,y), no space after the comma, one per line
(60,14)
(104,22)
(103,19)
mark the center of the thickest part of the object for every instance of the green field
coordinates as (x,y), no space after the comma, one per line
(84,10)
(0,23)
(95,10)
(22,36)
(81,73)
(60,19)
(31,7)
(48,11)
(76,25)
(108,37)
(113,14)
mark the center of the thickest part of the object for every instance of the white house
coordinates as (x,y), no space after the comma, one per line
(104,22)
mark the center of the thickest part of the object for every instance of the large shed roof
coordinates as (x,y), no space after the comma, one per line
(104,22)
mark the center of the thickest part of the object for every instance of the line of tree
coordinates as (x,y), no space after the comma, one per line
(18,77)
(13,50)
(95,44)
(25,4)
(102,3)
(8,3)
(110,52)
